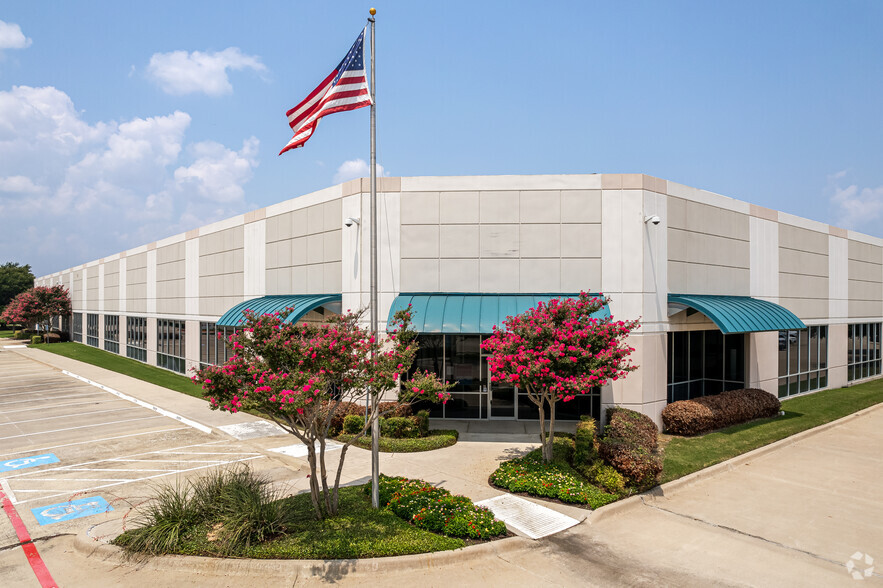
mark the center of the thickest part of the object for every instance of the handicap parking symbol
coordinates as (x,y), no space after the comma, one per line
(32,461)
(66,511)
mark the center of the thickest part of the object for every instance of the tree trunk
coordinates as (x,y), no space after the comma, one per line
(550,442)
(314,484)
(543,429)
(325,494)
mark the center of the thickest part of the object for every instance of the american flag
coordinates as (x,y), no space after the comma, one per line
(346,88)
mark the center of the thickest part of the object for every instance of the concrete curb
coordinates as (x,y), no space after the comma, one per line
(672,488)
(88,545)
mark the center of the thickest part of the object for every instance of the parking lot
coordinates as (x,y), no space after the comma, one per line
(73,454)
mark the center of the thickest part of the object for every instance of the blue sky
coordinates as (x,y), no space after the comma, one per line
(123,123)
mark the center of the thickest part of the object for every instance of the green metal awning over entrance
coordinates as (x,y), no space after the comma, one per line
(737,314)
(469,313)
(302,303)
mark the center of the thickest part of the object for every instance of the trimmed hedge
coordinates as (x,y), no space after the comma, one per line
(36,339)
(700,415)
(585,446)
(436,509)
(434,440)
(629,446)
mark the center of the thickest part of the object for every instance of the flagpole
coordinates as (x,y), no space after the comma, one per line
(375,425)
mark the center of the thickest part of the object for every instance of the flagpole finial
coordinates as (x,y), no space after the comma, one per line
(372,10)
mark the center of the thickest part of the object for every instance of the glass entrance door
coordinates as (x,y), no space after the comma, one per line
(502,400)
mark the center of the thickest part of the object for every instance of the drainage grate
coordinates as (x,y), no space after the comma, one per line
(300,450)
(253,430)
(526,517)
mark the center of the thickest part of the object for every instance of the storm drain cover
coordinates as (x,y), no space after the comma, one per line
(300,450)
(253,430)
(526,517)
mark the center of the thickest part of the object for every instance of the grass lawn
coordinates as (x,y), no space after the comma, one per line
(435,440)
(685,455)
(357,532)
(6,334)
(123,365)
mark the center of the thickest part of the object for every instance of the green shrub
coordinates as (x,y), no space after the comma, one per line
(421,419)
(18,335)
(239,507)
(399,428)
(607,477)
(35,339)
(436,509)
(434,440)
(552,480)
(343,409)
(353,424)
(585,448)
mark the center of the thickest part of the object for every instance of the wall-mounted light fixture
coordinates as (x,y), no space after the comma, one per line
(652,219)
(350,221)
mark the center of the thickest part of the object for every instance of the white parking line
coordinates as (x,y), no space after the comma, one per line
(80,427)
(4,485)
(50,393)
(169,473)
(179,460)
(96,441)
(60,405)
(54,398)
(161,411)
(67,416)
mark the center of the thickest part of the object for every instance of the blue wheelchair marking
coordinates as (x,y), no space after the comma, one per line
(65,511)
(33,461)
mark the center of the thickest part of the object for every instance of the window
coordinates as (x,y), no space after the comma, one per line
(136,338)
(112,333)
(78,327)
(460,359)
(92,330)
(701,363)
(212,344)
(803,360)
(170,345)
(863,351)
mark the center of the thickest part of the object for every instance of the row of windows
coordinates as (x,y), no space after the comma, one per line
(863,351)
(77,329)
(803,360)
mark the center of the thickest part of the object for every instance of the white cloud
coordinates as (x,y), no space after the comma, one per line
(179,72)
(79,191)
(11,36)
(20,185)
(356,168)
(856,208)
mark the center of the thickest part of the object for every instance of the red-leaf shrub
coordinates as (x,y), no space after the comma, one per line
(693,417)
(631,426)
(628,445)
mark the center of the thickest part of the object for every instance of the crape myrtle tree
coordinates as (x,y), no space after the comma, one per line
(301,375)
(38,305)
(557,351)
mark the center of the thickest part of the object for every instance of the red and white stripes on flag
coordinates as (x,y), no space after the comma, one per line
(345,88)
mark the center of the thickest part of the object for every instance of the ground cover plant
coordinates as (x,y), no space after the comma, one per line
(706,413)
(558,350)
(435,509)
(233,513)
(555,479)
(686,455)
(123,365)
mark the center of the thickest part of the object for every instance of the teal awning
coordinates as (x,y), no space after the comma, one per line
(302,303)
(469,313)
(738,314)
